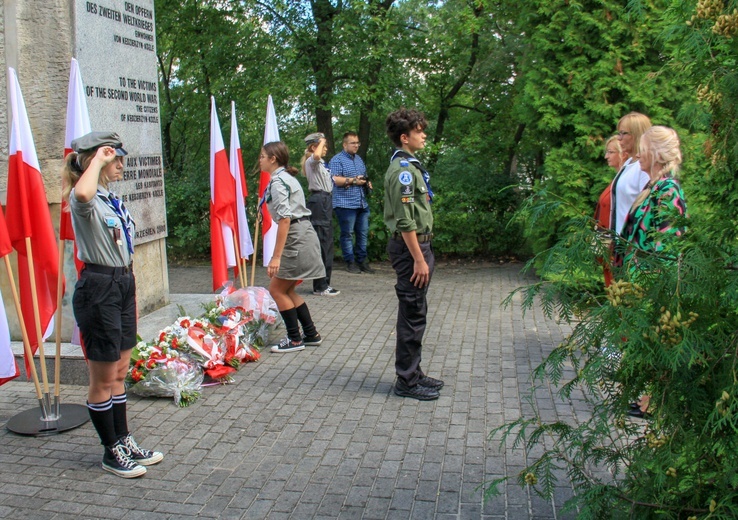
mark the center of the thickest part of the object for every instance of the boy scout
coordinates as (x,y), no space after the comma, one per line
(407,214)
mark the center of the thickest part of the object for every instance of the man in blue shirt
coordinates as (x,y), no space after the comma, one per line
(350,203)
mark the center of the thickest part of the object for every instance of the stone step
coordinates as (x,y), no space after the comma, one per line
(73,368)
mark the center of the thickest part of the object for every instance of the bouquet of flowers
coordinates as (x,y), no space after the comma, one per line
(214,345)
(162,371)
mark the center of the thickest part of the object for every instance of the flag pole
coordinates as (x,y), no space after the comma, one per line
(58,324)
(37,320)
(68,416)
(24,333)
(237,250)
(256,246)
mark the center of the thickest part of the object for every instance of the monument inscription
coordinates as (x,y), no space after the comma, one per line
(116,50)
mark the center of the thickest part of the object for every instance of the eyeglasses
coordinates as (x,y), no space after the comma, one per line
(621,134)
(353,143)
(610,151)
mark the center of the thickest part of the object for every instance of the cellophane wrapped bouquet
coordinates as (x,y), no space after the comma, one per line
(230,333)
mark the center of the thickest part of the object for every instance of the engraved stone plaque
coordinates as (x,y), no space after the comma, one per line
(115,44)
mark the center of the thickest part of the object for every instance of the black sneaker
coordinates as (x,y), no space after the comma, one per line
(419,392)
(364,267)
(351,267)
(285,345)
(431,382)
(117,459)
(312,341)
(140,455)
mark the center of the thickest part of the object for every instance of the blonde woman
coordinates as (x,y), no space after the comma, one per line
(628,184)
(320,204)
(650,221)
(104,300)
(616,159)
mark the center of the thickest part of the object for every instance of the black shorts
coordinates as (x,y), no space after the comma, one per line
(105,309)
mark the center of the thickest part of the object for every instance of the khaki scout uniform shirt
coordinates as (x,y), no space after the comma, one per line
(406,202)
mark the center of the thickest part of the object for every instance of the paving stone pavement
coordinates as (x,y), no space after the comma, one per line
(318,433)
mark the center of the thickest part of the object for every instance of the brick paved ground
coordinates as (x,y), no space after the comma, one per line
(318,434)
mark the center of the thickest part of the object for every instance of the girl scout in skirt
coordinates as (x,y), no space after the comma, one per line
(104,299)
(296,252)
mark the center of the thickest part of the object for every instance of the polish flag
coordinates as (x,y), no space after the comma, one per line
(28,216)
(245,245)
(78,124)
(8,366)
(222,205)
(268,228)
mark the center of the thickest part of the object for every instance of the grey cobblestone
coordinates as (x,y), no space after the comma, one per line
(318,434)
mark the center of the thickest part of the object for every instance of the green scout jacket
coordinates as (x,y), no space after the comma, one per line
(406,203)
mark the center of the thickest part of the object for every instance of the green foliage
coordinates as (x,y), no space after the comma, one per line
(668,331)
(587,64)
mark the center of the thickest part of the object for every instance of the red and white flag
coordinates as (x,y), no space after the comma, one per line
(268,227)
(27,214)
(245,245)
(78,124)
(222,204)
(8,366)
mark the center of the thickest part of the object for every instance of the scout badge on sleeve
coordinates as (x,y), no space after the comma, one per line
(405,178)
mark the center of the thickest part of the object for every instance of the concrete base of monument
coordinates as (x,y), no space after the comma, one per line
(73,368)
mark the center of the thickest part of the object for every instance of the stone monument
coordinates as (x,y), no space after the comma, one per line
(114,42)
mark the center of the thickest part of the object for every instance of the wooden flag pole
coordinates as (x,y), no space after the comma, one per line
(57,326)
(237,250)
(256,247)
(24,333)
(37,318)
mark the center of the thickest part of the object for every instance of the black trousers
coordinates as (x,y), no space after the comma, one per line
(321,206)
(412,309)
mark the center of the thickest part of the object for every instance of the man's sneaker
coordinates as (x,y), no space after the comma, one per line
(351,267)
(430,382)
(286,345)
(312,341)
(364,267)
(330,291)
(117,459)
(422,393)
(140,455)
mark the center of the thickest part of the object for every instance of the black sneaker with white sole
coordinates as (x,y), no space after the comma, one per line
(140,455)
(117,460)
(285,345)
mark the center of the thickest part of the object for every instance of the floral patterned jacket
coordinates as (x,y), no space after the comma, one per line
(650,224)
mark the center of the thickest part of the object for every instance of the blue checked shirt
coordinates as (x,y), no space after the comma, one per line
(346,165)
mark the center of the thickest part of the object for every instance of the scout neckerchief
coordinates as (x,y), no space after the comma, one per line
(412,159)
(121,211)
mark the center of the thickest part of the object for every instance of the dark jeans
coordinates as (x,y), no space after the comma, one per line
(412,310)
(353,221)
(320,204)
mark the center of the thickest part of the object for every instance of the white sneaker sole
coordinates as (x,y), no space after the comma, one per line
(133,473)
(275,348)
(155,459)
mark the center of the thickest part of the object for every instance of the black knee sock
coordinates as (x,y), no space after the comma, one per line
(308,327)
(290,323)
(101,415)
(119,415)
